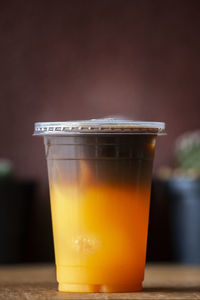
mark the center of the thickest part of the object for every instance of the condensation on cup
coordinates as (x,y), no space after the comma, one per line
(100,174)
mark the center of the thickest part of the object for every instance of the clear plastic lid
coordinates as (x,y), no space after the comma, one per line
(99,126)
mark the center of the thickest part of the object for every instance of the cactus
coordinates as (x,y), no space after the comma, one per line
(187,151)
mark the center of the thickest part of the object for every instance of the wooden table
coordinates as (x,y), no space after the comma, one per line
(38,282)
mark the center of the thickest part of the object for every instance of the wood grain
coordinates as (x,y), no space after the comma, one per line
(39,283)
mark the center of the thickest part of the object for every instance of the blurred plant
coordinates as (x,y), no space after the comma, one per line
(6,169)
(187,151)
(187,158)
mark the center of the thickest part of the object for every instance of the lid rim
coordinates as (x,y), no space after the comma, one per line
(98,126)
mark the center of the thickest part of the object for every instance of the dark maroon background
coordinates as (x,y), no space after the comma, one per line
(64,60)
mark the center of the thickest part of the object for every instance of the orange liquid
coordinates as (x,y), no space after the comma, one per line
(100,235)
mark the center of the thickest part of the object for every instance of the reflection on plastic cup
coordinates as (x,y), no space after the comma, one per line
(100,180)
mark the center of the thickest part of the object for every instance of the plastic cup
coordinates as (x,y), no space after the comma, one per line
(100,175)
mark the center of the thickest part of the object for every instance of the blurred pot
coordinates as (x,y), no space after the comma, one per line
(16,199)
(184,218)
